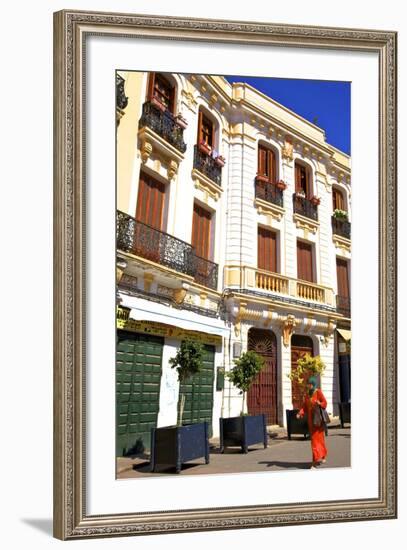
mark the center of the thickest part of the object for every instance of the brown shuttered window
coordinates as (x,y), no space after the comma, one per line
(266,163)
(302,182)
(206,130)
(267,250)
(343,277)
(150,201)
(337,200)
(201,231)
(160,88)
(305,270)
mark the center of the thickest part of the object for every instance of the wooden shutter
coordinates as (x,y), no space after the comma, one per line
(205,129)
(301,179)
(337,198)
(305,271)
(262,161)
(267,250)
(343,278)
(150,86)
(266,163)
(150,201)
(201,231)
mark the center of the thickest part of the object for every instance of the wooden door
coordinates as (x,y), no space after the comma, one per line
(300,345)
(305,262)
(201,231)
(267,250)
(148,239)
(343,277)
(262,396)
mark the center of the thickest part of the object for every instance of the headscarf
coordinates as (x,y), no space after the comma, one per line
(312,380)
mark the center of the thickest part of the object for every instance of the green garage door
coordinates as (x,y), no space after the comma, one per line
(199,392)
(138,375)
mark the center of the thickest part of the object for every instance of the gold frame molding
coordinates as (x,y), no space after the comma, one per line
(70,519)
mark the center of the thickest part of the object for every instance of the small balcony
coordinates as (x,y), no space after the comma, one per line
(304,207)
(343,305)
(341,227)
(207,165)
(269,192)
(161,248)
(163,123)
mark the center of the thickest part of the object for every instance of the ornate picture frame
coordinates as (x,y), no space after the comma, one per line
(71,519)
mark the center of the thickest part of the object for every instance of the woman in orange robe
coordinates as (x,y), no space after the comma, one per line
(314,398)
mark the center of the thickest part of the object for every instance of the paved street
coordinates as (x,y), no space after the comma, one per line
(281,454)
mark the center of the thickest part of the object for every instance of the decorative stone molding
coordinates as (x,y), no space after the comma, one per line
(287,152)
(148,279)
(145,150)
(306,224)
(329,332)
(206,185)
(179,295)
(165,291)
(269,318)
(190,100)
(269,209)
(240,315)
(172,169)
(341,243)
(288,328)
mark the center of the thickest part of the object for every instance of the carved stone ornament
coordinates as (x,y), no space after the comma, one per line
(287,151)
(146,150)
(172,169)
(288,328)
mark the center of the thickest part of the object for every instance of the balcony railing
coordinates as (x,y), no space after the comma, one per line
(343,305)
(207,165)
(251,278)
(269,192)
(341,227)
(206,273)
(163,124)
(152,244)
(305,207)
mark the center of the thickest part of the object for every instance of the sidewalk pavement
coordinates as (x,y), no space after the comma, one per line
(281,454)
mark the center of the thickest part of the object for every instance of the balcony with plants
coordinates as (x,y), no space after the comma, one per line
(340,224)
(156,117)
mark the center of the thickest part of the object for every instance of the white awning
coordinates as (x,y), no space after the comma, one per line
(346,334)
(145,310)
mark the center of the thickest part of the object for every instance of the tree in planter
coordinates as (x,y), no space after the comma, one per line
(188,361)
(306,366)
(243,374)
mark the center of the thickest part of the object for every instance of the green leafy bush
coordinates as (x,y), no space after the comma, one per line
(247,367)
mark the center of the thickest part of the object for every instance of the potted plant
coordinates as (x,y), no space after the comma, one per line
(171,446)
(262,178)
(220,161)
(204,147)
(157,103)
(306,366)
(315,200)
(181,121)
(244,430)
(340,214)
(280,184)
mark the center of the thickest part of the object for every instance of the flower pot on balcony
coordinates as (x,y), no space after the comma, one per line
(242,431)
(157,103)
(204,148)
(315,201)
(262,179)
(281,185)
(171,446)
(220,161)
(181,121)
(340,214)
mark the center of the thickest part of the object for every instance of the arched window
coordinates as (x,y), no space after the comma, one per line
(303,183)
(266,164)
(161,91)
(338,200)
(206,130)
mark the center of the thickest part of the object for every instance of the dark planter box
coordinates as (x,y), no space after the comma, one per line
(171,446)
(344,413)
(297,426)
(242,431)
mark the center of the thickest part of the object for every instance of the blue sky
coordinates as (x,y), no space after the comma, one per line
(325,103)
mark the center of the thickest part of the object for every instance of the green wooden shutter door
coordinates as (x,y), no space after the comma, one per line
(138,376)
(199,392)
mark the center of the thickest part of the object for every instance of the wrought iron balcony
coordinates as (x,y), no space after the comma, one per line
(159,247)
(269,192)
(305,207)
(341,227)
(206,273)
(207,165)
(163,123)
(343,305)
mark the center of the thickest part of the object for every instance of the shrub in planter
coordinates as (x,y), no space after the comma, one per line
(244,430)
(173,445)
(340,214)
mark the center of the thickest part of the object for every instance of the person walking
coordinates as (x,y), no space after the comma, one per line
(314,399)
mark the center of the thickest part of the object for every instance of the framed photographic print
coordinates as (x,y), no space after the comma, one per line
(225,275)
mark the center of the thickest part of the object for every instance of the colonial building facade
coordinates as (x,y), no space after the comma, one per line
(233,226)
